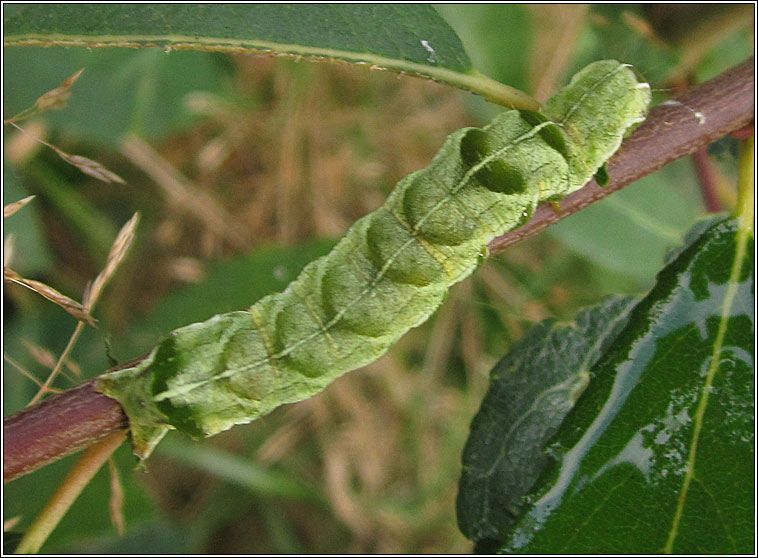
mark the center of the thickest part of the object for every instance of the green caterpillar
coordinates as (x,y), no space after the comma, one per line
(388,274)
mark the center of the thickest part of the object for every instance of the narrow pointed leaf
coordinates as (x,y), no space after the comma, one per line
(410,38)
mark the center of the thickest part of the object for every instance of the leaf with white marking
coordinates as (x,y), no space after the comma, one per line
(638,465)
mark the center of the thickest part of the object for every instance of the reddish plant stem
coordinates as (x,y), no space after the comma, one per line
(62,425)
(707,179)
(79,417)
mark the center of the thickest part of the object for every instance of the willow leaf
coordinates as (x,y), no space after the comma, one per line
(658,454)
(409,38)
(531,390)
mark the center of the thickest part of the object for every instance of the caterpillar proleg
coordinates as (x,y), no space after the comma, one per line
(388,274)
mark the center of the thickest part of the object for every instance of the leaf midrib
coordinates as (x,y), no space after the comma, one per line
(743,235)
(472,80)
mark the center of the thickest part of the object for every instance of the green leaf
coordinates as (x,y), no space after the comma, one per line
(283,28)
(411,38)
(531,391)
(658,454)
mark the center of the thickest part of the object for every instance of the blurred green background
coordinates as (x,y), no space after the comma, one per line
(289,154)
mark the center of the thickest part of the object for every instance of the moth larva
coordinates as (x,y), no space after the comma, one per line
(388,274)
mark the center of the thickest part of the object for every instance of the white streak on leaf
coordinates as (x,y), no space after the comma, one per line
(432,58)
